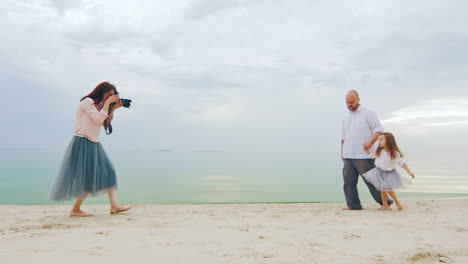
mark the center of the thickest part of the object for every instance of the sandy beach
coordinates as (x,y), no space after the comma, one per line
(425,232)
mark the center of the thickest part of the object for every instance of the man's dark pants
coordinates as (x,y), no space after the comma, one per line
(351,171)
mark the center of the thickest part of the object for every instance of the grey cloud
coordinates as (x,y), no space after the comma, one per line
(263,65)
(201,8)
(63,6)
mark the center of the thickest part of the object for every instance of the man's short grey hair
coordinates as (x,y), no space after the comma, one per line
(352,92)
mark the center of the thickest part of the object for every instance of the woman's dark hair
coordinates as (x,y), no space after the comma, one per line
(99,92)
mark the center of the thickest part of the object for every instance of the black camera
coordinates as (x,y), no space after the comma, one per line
(125,103)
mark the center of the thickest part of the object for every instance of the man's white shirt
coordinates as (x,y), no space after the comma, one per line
(357,128)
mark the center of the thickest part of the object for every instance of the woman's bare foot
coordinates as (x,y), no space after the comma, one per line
(119,208)
(385,208)
(80,213)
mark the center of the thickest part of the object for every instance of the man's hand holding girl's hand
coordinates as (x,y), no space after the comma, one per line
(368,145)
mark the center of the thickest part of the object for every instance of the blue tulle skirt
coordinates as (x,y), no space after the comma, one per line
(387,180)
(85,169)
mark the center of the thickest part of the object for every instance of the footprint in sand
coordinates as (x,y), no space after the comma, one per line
(96,251)
(37,235)
(247,228)
(377,258)
(461,229)
(103,233)
(316,247)
(48,226)
(429,257)
(312,244)
(20,229)
(351,236)
(250,252)
(57,226)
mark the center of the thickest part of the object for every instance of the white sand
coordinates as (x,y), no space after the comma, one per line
(426,232)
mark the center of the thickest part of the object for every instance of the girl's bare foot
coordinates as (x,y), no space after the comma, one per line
(80,213)
(119,208)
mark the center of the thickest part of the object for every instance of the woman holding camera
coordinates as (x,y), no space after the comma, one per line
(86,169)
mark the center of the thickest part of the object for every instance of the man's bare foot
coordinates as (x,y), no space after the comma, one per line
(80,214)
(119,209)
(400,208)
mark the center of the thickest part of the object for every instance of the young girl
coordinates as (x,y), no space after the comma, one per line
(384,176)
(86,169)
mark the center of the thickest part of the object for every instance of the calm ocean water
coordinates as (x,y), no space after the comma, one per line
(158,176)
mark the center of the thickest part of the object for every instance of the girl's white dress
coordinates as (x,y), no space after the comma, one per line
(384,176)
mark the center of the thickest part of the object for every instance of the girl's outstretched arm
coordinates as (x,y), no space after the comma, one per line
(408,170)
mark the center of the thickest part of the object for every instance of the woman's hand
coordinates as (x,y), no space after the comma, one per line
(118,104)
(112,99)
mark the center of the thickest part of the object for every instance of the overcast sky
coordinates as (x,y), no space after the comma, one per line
(236,74)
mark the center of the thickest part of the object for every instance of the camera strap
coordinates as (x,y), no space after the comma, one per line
(107,122)
(108,126)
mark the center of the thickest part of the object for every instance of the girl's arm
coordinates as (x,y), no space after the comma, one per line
(408,170)
(402,163)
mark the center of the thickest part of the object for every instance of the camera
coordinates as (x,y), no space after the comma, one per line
(125,103)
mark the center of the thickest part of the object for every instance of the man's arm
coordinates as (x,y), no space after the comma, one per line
(377,129)
(371,142)
(343,136)
(342,143)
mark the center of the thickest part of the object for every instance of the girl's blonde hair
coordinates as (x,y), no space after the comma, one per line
(391,145)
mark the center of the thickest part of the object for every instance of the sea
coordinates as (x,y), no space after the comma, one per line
(164,176)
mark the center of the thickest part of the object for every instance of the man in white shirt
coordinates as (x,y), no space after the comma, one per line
(360,129)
